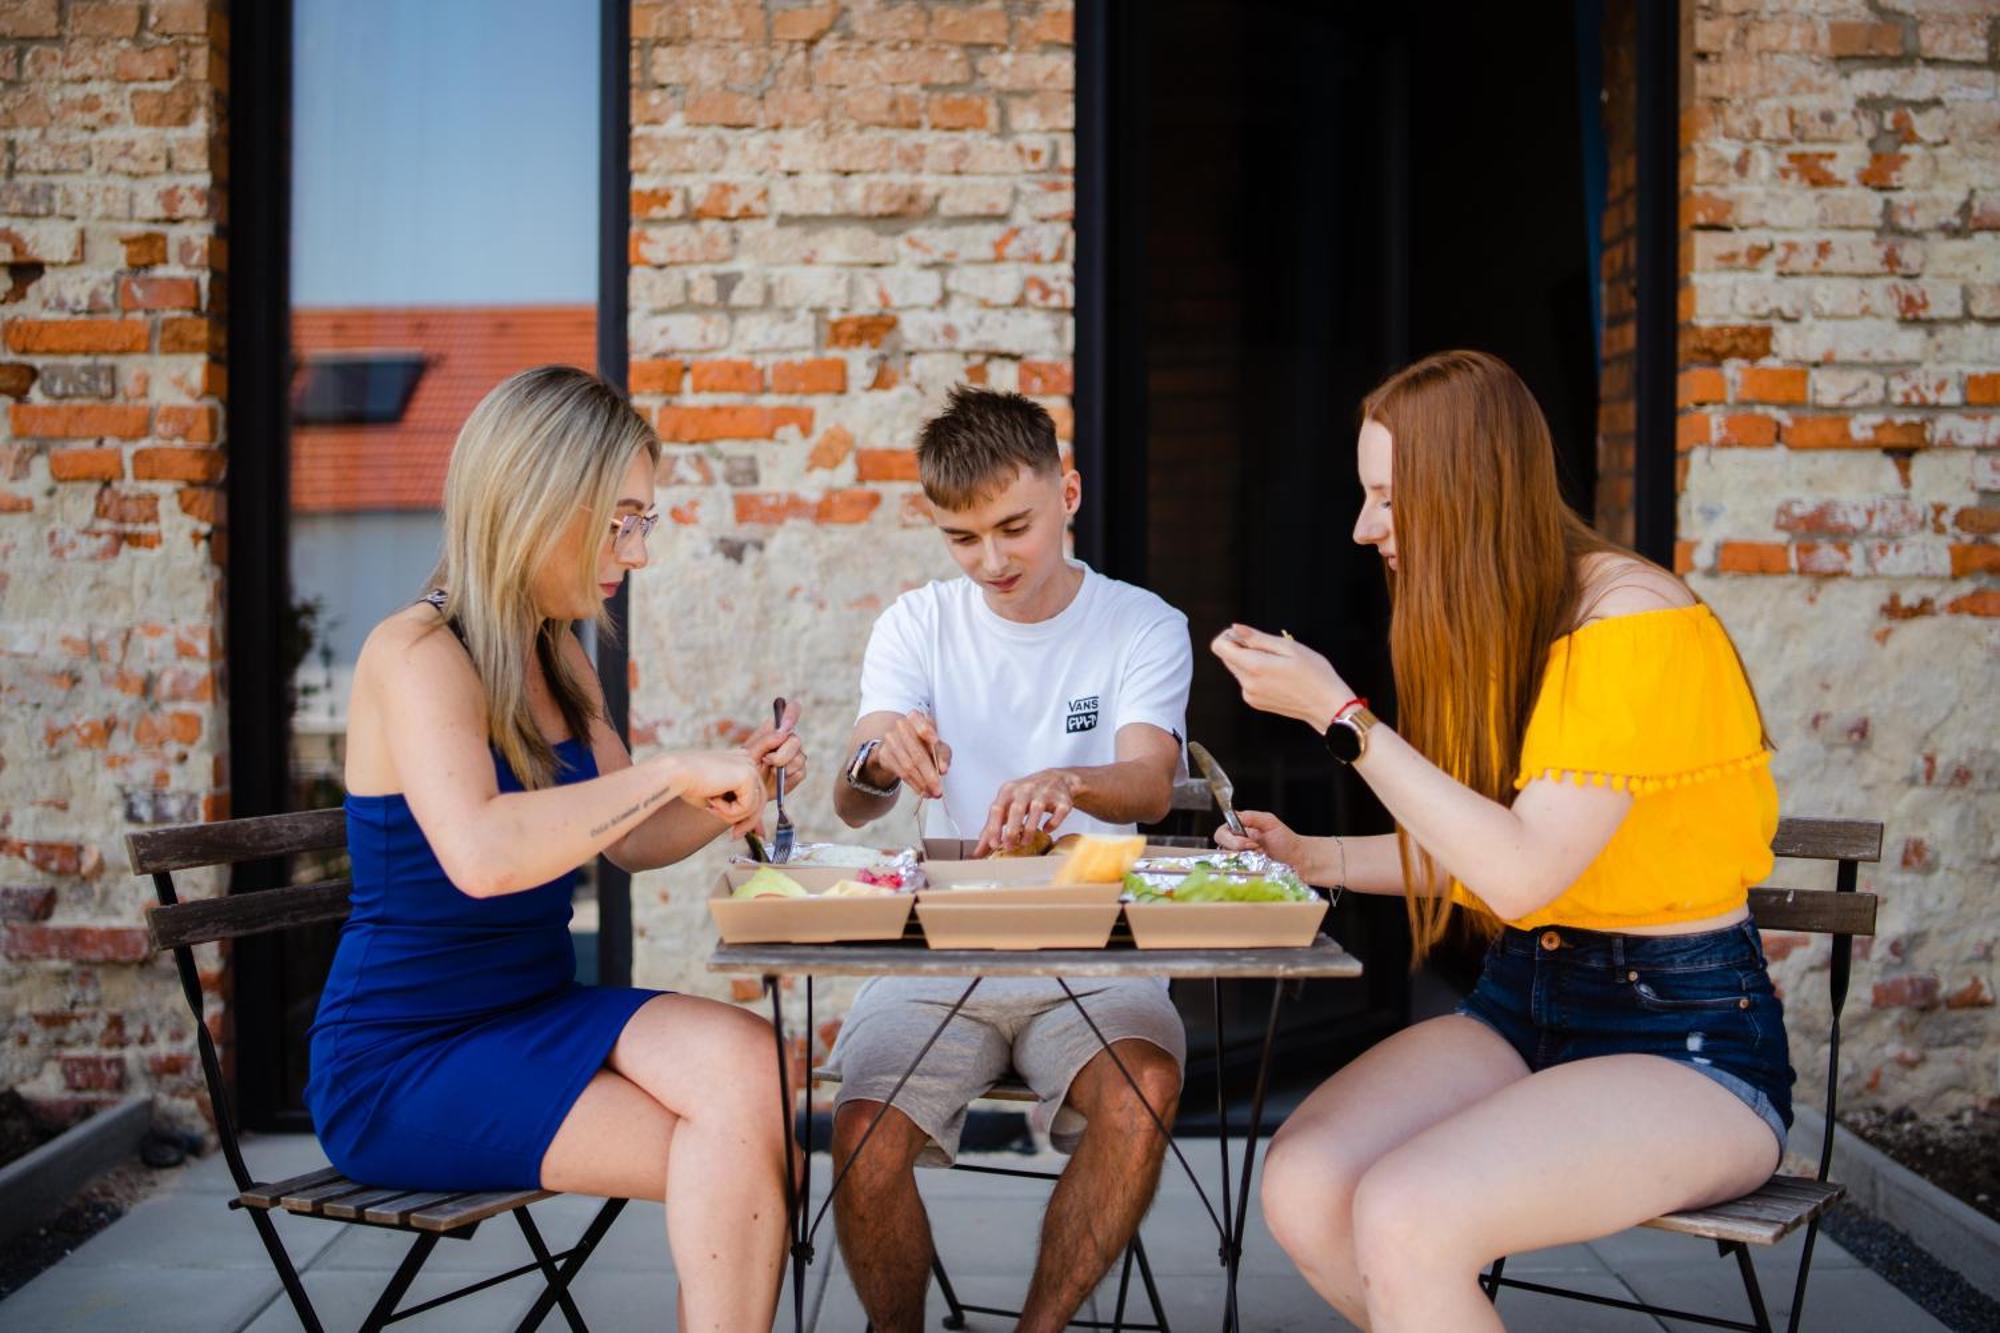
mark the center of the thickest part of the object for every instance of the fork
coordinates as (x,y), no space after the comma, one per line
(781,836)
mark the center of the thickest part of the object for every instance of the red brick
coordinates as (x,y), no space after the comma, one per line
(1780,945)
(885,465)
(831,449)
(853,505)
(1051,25)
(1909,991)
(1047,378)
(981,27)
(1824,559)
(169,464)
(1753,558)
(184,335)
(803,25)
(1972,995)
(78,421)
(884,108)
(27,903)
(1703,384)
(1856,40)
(203,504)
(726,377)
(145,249)
(655,376)
(1725,342)
(1967,560)
(1984,602)
(93,1073)
(115,506)
(159,294)
(744,990)
(30,18)
(820,375)
(859,330)
(961,111)
(194,424)
(665,203)
(1747,428)
(695,425)
(180,18)
(78,944)
(730,201)
(1692,429)
(153,64)
(174,107)
(716,106)
(1771,384)
(1983,390)
(86,464)
(182,728)
(60,336)
(1814,169)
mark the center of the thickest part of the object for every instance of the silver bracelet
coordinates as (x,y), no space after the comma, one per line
(1341,843)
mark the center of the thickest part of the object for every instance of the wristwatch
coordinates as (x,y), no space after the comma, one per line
(859,762)
(1347,736)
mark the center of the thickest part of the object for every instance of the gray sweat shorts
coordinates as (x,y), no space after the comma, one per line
(1023,1026)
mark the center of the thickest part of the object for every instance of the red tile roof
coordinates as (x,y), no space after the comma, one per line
(469,349)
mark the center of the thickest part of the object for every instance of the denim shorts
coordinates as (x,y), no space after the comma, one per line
(1702,1000)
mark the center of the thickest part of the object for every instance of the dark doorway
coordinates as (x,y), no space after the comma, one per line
(1312,194)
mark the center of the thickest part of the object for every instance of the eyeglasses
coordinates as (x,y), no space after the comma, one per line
(629,534)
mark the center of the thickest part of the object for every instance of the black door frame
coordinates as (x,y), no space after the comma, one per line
(257,489)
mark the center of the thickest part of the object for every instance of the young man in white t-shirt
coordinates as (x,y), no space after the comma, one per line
(1033,695)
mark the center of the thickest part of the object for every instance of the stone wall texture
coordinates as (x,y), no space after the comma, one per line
(111,709)
(1840,480)
(839,212)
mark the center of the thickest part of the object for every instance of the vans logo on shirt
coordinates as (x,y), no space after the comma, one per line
(1082,715)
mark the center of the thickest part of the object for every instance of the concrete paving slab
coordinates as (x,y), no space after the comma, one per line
(342,1301)
(84,1299)
(184,1231)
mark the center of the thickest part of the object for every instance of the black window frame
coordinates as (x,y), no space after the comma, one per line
(257,485)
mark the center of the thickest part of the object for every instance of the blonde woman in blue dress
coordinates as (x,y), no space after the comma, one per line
(454,1048)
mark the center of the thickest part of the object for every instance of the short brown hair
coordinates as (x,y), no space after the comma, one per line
(972,448)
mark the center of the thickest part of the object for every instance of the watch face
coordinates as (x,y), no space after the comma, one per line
(1344,742)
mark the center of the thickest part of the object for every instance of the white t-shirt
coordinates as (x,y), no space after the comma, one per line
(1013,699)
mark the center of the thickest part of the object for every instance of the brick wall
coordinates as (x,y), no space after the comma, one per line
(1840,422)
(839,211)
(110,471)
(1618,273)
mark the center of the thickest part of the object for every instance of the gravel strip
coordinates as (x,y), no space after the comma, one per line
(1949,1298)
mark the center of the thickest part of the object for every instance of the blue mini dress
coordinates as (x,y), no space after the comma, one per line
(452,1036)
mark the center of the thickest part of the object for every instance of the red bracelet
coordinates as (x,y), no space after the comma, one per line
(1358,701)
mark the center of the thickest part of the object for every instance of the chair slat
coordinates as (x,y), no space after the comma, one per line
(396,1212)
(208,919)
(1829,839)
(268,1195)
(1821,910)
(465,1209)
(229,841)
(351,1207)
(1764,1216)
(313,1198)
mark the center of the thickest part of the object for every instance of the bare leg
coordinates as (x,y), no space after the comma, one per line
(1396,1089)
(1508,1174)
(885,1236)
(1108,1185)
(711,1067)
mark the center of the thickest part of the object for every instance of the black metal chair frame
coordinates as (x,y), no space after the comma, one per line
(160,852)
(1771,909)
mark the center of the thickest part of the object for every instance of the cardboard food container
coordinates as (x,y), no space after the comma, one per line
(805,920)
(1035,925)
(1008,880)
(1225,925)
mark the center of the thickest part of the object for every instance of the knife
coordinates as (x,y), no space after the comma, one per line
(1219,784)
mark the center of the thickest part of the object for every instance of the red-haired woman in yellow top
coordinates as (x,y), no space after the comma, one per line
(1579,769)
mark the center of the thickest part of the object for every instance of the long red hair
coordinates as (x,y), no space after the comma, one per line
(1489,558)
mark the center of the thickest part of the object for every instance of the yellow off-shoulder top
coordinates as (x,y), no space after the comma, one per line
(1656,703)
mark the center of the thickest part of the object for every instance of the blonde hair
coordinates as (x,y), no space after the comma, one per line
(542,445)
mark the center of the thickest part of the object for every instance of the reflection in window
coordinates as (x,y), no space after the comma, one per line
(366,390)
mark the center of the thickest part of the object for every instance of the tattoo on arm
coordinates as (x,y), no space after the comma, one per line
(629,811)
